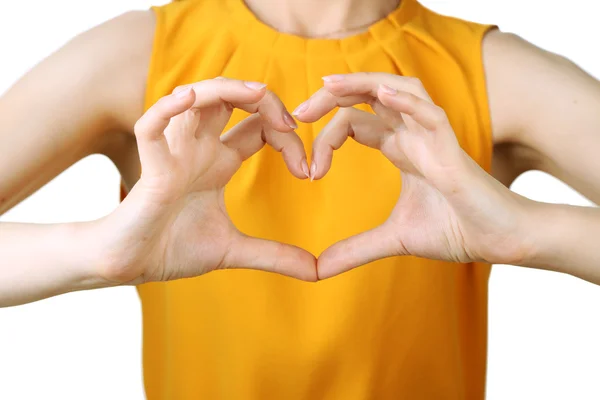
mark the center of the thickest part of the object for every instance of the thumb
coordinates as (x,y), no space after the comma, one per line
(271,256)
(358,250)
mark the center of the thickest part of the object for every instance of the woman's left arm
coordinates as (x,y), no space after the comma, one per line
(545,116)
(565,239)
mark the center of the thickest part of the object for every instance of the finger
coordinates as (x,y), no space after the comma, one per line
(273,111)
(250,135)
(212,92)
(323,101)
(367,83)
(364,127)
(425,113)
(266,255)
(351,89)
(252,97)
(155,120)
(181,130)
(373,84)
(357,250)
(149,129)
(430,123)
(215,99)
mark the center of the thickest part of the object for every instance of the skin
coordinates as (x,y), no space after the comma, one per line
(165,229)
(449,208)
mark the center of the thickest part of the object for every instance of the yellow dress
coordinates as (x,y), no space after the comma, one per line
(400,328)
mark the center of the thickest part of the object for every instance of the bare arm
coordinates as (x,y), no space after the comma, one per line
(40,261)
(566,240)
(172,224)
(449,207)
(546,116)
(72,104)
(79,101)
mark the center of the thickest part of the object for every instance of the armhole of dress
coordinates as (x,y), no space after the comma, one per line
(152,73)
(482,100)
(154,66)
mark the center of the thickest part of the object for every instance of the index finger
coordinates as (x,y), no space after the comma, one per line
(367,83)
(352,89)
(252,97)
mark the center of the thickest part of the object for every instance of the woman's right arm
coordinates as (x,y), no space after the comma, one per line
(173,223)
(79,101)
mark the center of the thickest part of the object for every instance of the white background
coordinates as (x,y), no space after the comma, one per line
(544,327)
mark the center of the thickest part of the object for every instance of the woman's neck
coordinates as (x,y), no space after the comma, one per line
(321,18)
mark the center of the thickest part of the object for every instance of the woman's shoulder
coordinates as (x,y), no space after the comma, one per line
(119,52)
(109,65)
(192,15)
(449,31)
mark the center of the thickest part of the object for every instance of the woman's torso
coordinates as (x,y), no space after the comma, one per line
(397,328)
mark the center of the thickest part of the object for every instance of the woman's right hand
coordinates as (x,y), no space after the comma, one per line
(173,224)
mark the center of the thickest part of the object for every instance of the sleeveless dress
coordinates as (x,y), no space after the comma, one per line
(399,328)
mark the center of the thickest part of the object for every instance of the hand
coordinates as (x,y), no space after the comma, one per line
(449,208)
(173,224)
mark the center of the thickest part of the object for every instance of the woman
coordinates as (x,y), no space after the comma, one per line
(398,327)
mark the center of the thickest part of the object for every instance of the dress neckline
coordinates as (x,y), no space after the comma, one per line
(251,29)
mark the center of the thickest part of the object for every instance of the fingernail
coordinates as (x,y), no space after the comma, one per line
(289,121)
(301,108)
(183,93)
(255,85)
(305,168)
(333,78)
(388,89)
(313,170)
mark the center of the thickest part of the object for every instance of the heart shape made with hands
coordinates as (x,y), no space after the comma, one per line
(449,208)
(411,132)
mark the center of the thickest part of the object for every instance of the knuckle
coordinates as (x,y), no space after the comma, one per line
(270,100)
(179,88)
(414,81)
(318,140)
(381,77)
(211,87)
(138,128)
(344,115)
(439,116)
(415,85)
(375,74)
(219,83)
(373,102)
(411,100)
(222,83)
(270,96)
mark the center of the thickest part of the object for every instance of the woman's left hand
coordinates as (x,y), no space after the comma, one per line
(449,208)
